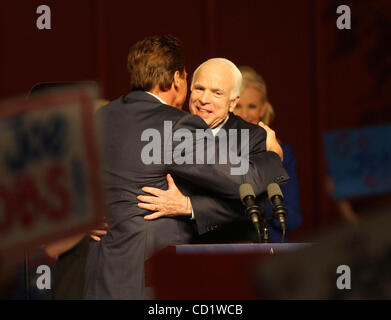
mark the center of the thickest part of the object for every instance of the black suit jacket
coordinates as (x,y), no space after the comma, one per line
(213,212)
(115,265)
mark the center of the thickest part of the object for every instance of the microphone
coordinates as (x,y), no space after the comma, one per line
(276,198)
(253,211)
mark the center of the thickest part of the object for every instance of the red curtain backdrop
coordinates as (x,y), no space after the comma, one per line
(319,77)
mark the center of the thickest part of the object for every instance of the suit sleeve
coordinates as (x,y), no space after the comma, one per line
(219,177)
(212,212)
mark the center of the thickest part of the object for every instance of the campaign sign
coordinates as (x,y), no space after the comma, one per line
(50,184)
(359,161)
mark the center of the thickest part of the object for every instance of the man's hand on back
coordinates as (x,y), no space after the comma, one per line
(165,203)
(271,140)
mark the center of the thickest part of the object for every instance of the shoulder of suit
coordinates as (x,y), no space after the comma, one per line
(122,101)
(191,121)
(181,118)
(165,112)
(238,123)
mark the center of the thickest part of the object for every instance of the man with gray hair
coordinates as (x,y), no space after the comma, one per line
(215,89)
(115,265)
(215,83)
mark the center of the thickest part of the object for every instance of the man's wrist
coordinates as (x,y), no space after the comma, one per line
(188,209)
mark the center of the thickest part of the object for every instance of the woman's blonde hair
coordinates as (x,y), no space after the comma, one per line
(252,79)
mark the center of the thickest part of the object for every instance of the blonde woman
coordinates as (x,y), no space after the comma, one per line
(254,106)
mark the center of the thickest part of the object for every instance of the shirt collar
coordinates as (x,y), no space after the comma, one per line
(217,129)
(153,95)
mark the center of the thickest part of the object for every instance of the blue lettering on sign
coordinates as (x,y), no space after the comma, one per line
(35,139)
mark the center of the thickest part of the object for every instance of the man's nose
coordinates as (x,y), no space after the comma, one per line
(204,97)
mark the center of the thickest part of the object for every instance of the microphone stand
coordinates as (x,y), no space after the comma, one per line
(264,225)
(265,228)
(265,231)
(278,212)
(253,213)
(261,223)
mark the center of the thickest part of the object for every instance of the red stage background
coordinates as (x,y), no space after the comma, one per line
(319,77)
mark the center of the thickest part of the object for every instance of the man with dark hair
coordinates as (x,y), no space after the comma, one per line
(156,60)
(115,265)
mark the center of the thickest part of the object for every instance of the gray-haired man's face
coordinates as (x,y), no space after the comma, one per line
(211,93)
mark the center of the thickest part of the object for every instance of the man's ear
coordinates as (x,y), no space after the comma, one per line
(177,79)
(233,104)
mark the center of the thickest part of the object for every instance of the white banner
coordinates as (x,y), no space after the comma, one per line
(50,184)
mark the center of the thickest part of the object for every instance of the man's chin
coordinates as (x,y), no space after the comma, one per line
(203,116)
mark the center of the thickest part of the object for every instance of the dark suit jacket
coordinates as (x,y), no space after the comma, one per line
(212,210)
(115,265)
(227,221)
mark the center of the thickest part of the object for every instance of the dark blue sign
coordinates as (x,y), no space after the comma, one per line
(359,161)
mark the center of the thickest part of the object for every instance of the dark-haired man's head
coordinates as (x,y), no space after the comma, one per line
(157,64)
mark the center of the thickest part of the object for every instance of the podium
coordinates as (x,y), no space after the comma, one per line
(212,271)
